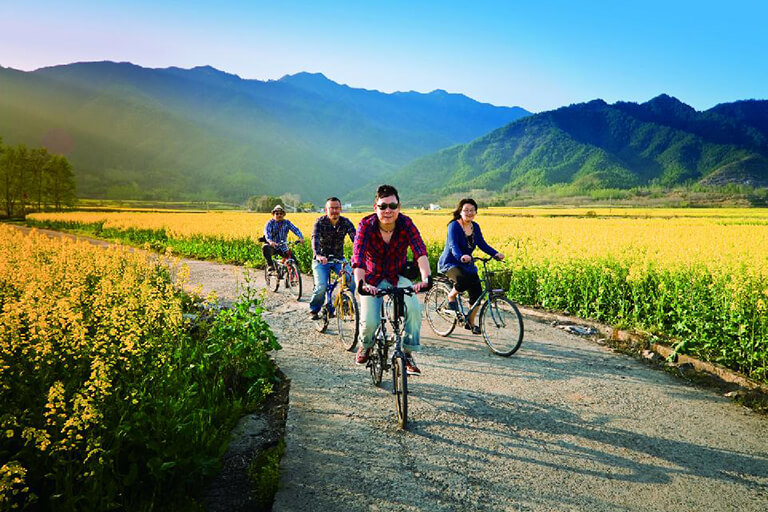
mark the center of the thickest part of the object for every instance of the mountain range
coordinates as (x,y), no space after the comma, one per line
(595,145)
(203,134)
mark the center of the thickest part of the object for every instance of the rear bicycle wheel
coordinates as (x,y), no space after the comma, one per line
(501,325)
(272,278)
(441,319)
(376,362)
(348,320)
(293,279)
(321,324)
(400,387)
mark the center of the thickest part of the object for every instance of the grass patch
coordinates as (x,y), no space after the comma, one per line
(265,475)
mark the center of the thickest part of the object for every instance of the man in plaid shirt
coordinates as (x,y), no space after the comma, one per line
(276,235)
(379,256)
(328,241)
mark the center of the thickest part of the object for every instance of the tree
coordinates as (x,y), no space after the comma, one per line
(14,172)
(34,177)
(59,183)
(292,200)
(263,203)
(37,162)
(307,206)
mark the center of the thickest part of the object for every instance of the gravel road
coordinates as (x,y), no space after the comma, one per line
(564,424)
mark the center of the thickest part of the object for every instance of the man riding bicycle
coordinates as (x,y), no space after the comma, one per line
(328,236)
(379,256)
(276,235)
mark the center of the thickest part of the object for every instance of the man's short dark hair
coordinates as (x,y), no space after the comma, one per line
(333,199)
(386,191)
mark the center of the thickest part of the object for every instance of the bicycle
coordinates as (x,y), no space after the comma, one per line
(500,321)
(286,270)
(392,311)
(342,305)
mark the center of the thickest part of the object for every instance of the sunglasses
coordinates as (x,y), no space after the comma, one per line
(278,212)
(391,206)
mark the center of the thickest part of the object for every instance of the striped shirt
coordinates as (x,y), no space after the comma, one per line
(277,231)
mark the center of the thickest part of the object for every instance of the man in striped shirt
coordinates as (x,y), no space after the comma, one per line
(276,234)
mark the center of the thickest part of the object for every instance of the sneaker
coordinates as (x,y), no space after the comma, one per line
(474,328)
(410,366)
(313,315)
(453,305)
(362,355)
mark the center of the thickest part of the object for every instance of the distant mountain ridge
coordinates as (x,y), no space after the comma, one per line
(596,145)
(205,134)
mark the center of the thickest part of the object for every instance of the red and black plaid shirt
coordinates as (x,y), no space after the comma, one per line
(385,261)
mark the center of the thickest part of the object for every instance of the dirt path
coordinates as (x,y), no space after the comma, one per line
(565,424)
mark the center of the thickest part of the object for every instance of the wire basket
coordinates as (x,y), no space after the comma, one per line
(499,280)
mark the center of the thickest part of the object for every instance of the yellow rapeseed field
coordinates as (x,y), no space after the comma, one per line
(698,277)
(720,239)
(110,396)
(71,319)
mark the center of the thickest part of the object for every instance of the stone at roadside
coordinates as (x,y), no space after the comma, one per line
(652,356)
(579,330)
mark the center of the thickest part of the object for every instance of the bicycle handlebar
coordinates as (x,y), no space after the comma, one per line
(333,259)
(484,260)
(382,292)
(408,290)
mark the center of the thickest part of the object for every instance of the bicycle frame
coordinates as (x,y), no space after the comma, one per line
(282,261)
(331,302)
(484,296)
(500,321)
(393,317)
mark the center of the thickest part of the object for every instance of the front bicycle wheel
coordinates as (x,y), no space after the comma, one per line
(441,319)
(400,387)
(501,325)
(376,362)
(348,320)
(321,324)
(293,279)
(272,278)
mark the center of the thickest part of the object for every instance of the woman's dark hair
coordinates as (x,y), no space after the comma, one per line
(457,211)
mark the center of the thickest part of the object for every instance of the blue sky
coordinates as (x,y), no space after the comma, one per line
(538,55)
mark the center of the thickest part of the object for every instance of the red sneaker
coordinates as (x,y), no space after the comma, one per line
(410,366)
(362,355)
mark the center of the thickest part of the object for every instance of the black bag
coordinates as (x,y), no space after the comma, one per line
(410,270)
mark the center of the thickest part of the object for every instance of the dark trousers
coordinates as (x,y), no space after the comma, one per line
(268,251)
(466,282)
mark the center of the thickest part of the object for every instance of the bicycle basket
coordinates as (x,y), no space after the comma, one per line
(499,280)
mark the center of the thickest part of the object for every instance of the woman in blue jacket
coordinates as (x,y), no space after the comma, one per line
(464,235)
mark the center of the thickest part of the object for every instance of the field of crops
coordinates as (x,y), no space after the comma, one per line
(108,399)
(697,277)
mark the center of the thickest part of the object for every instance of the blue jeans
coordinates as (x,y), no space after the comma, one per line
(370,317)
(321,272)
